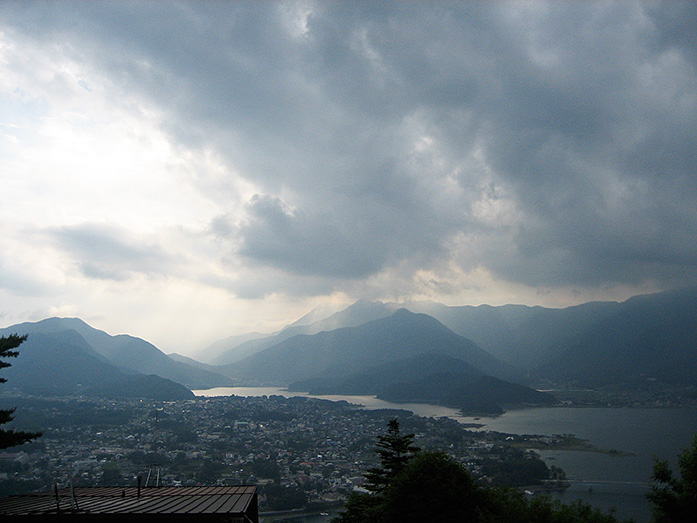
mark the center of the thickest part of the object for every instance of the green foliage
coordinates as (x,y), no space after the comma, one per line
(111,476)
(504,505)
(674,498)
(518,469)
(431,486)
(361,508)
(280,497)
(7,343)
(434,488)
(267,469)
(210,472)
(394,450)
(14,487)
(10,438)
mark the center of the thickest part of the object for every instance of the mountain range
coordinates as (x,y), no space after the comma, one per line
(647,338)
(403,357)
(477,358)
(236,348)
(597,342)
(346,350)
(66,355)
(63,363)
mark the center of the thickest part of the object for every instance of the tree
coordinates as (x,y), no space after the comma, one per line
(394,450)
(111,476)
(361,508)
(506,505)
(414,486)
(10,438)
(674,499)
(433,487)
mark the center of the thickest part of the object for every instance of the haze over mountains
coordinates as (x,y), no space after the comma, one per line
(476,358)
(231,349)
(65,355)
(343,351)
(563,343)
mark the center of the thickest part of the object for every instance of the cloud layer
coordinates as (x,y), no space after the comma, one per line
(268,156)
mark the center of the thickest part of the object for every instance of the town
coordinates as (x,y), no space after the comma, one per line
(301,452)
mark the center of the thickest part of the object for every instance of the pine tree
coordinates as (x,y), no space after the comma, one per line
(394,450)
(10,438)
(413,486)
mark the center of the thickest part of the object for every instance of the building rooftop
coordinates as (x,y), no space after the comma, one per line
(229,504)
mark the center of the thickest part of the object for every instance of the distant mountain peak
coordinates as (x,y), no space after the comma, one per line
(56,322)
(340,351)
(318,313)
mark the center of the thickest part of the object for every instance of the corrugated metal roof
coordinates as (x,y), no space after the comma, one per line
(152,500)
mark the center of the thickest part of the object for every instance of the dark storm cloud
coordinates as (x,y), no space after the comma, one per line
(598,151)
(319,243)
(581,114)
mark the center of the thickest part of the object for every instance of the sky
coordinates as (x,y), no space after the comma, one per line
(186,171)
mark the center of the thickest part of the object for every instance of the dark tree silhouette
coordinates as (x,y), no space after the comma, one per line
(10,438)
(674,498)
(394,450)
(413,486)
(435,488)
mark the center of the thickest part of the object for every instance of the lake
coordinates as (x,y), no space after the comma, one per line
(604,481)
(369,402)
(608,481)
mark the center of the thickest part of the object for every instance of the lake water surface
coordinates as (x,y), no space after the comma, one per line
(605,481)
(608,481)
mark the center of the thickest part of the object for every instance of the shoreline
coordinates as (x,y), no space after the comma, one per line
(470,421)
(574,445)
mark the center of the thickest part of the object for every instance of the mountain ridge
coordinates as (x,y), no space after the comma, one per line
(63,363)
(126,352)
(354,315)
(348,349)
(623,344)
